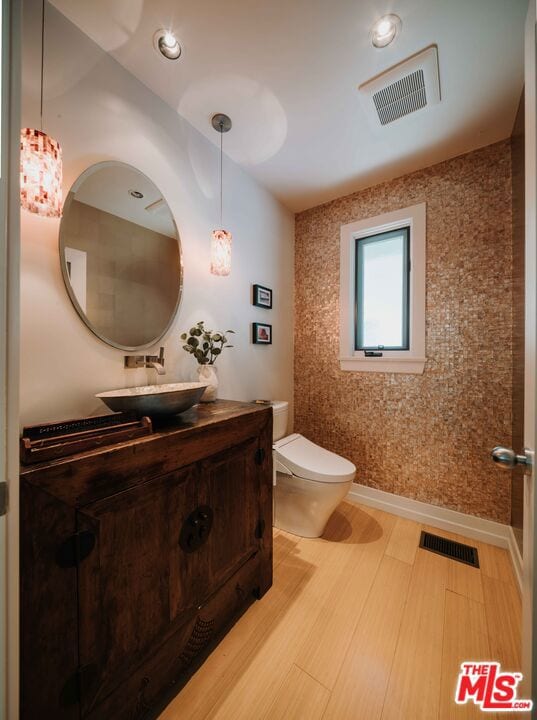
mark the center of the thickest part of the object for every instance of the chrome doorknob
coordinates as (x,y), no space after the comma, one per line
(507,458)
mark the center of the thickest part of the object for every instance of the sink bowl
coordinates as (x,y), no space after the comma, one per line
(152,400)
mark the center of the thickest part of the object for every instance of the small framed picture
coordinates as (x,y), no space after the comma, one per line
(261,334)
(262,297)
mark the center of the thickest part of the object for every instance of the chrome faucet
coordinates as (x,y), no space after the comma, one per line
(148,361)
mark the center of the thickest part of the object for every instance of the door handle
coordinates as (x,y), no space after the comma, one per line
(508,459)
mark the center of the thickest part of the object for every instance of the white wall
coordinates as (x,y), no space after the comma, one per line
(98,111)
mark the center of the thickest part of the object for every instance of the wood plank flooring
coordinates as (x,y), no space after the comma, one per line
(360,624)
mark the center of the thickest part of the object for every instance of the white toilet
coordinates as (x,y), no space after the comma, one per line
(310,481)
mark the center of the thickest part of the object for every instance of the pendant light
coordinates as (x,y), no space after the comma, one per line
(41,161)
(221,239)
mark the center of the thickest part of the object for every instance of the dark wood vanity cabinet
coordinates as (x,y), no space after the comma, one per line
(135,557)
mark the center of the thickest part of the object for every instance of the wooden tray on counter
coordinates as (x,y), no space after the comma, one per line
(40,443)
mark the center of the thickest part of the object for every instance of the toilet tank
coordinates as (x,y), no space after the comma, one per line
(280,412)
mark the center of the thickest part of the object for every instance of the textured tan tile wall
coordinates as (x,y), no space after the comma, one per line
(425,437)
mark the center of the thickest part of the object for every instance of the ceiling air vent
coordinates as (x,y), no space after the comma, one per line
(404,88)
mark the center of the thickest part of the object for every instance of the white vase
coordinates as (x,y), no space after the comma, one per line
(207,374)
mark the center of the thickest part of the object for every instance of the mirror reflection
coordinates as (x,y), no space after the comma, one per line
(120,255)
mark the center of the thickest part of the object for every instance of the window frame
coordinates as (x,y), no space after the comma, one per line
(360,243)
(413,359)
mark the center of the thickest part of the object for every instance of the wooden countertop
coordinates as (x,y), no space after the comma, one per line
(195,434)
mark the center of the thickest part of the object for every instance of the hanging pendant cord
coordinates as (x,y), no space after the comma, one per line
(42,62)
(221,156)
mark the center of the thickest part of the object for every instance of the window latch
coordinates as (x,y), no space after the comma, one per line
(372,353)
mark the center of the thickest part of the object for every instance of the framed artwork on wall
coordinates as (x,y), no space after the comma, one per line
(261,334)
(262,297)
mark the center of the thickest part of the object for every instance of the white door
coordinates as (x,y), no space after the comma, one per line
(9,358)
(526,455)
(529,593)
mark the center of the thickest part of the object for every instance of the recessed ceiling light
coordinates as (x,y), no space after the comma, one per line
(385,30)
(167,44)
(136,194)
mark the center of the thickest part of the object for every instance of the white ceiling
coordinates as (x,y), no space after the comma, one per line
(287,72)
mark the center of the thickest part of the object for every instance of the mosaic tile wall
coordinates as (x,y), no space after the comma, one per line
(425,437)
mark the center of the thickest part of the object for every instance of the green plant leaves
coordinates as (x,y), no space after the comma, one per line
(202,343)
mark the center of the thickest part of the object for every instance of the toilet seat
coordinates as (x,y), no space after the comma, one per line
(311,462)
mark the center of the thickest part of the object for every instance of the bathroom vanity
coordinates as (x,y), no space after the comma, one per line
(136,557)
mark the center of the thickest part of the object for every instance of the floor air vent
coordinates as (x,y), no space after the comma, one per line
(411,85)
(449,548)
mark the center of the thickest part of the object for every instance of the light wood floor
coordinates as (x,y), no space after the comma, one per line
(360,625)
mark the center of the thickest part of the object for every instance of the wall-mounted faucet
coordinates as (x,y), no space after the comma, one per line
(148,361)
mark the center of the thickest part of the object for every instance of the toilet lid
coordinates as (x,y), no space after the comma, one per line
(308,460)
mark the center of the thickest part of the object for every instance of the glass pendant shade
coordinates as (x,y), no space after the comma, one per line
(221,252)
(221,239)
(40,173)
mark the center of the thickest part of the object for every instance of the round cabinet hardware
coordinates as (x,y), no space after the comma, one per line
(196,529)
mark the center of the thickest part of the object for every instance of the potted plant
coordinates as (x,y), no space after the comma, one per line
(206,346)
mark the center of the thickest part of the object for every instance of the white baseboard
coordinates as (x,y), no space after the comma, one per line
(469,526)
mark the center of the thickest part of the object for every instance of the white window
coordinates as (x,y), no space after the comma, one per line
(382,293)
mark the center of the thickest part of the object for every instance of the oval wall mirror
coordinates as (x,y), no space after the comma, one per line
(120,255)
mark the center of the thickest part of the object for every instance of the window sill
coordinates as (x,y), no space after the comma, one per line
(408,365)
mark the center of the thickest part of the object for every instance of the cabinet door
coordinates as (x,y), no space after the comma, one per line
(230,487)
(134,585)
(162,550)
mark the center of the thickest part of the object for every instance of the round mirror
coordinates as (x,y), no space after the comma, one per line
(121,255)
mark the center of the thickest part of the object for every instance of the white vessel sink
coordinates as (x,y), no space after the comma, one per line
(167,399)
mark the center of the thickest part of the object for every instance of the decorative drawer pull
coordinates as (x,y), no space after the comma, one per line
(196,529)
